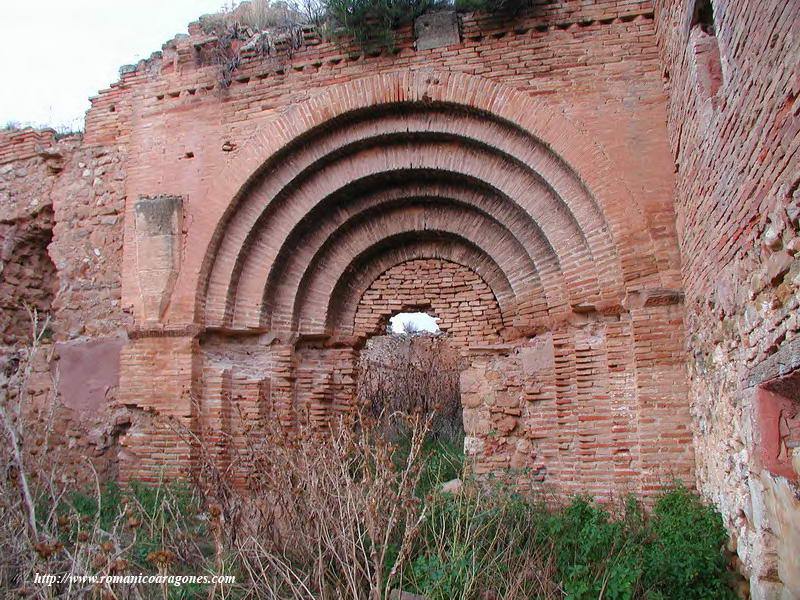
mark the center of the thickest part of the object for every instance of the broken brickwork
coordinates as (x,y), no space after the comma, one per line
(733,81)
(61,235)
(595,180)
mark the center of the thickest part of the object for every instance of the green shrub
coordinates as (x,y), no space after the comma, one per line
(685,558)
(487,538)
(480,540)
(371,23)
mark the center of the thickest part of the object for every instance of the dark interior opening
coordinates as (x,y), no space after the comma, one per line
(703,16)
(707,58)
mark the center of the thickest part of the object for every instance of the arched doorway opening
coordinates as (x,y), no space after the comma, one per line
(410,377)
(411,371)
(416,322)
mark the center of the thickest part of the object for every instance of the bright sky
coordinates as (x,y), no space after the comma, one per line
(54,54)
(423,322)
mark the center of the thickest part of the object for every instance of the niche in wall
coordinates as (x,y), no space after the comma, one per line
(705,55)
(778,426)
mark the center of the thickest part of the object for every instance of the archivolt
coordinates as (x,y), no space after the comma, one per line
(487,219)
(332,204)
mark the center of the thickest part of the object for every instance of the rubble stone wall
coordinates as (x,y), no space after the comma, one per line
(733,125)
(61,234)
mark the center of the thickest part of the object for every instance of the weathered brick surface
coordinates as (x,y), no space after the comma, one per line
(733,125)
(462,303)
(520,184)
(512,163)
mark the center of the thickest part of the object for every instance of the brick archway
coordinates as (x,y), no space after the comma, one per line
(408,168)
(509,126)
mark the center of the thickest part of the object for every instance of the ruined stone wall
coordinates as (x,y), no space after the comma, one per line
(596,64)
(733,80)
(29,164)
(217,246)
(61,234)
(28,274)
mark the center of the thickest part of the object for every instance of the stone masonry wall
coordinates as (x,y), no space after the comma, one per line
(28,275)
(61,235)
(29,165)
(734,116)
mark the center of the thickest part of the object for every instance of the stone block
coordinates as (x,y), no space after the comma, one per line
(158,225)
(437,30)
(86,371)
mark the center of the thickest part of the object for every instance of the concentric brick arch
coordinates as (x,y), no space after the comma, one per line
(373,257)
(389,195)
(593,239)
(527,229)
(428,219)
(352,286)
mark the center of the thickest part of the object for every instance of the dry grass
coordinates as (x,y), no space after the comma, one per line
(259,15)
(413,375)
(323,510)
(323,515)
(329,515)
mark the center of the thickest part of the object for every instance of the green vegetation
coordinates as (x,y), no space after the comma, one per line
(153,518)
(442,461)
(493,538)
(371,23)
(383,502)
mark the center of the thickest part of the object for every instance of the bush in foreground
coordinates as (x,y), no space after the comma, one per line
(349,516)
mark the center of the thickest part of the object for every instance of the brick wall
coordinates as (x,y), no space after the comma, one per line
(527,164)
(518,183)
(733,125)
(461,302)
(594,174)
